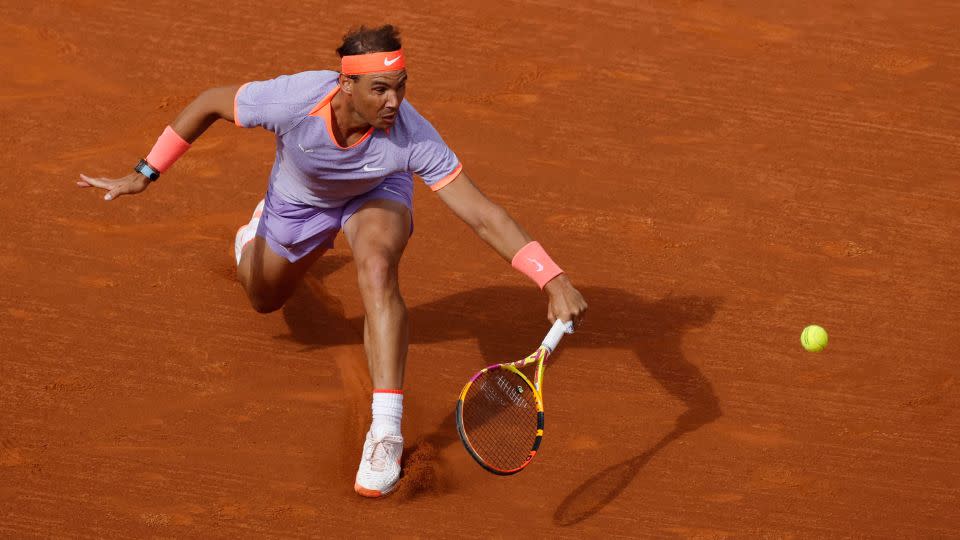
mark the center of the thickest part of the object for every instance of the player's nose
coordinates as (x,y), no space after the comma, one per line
(393,101)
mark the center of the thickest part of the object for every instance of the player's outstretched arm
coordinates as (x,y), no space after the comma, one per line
(211,105)
(495,226)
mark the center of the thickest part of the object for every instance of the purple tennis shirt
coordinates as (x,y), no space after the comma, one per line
(311,167)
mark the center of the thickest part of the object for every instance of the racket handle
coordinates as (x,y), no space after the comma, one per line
(556,333)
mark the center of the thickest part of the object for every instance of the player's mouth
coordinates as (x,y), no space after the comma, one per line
(389,118)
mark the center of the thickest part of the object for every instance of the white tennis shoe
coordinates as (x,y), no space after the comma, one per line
(379,466)
(246,232)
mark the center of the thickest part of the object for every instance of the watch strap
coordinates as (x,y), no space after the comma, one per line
(147,170)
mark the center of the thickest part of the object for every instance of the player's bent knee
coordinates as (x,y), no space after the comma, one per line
(377,273)
(265,301)
(265,306)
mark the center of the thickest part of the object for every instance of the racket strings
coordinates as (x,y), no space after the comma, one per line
(500,418)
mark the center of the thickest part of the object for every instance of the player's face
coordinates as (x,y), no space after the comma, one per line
(377,97)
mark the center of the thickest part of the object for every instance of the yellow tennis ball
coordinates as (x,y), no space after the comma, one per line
(814,338)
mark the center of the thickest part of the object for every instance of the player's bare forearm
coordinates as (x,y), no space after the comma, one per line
(201,113)
(507,237)
(211,105)
(495,226)
(489,220)
(502,232)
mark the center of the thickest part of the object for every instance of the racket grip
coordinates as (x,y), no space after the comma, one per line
(556,333)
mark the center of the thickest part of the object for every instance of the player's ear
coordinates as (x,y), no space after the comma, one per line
(346,84)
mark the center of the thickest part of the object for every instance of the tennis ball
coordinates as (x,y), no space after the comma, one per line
(814,338)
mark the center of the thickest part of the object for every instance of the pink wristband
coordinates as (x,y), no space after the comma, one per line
(170,146)
(533,261)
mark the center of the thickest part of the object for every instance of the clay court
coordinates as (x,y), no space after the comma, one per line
(714,176)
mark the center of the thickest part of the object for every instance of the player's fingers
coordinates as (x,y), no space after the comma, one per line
(117,191)
(566,316)
(87,181)
(126,187)
(581,316)
(570,317)
(573,322)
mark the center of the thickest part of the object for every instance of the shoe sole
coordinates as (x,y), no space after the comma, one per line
(372,493)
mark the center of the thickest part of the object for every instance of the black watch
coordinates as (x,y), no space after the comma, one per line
(145,169)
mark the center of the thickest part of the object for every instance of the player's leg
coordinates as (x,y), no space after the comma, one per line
(377,228)
(278,246)
(378,234)
(268,278)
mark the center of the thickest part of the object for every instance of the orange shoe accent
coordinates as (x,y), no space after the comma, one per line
(366,492)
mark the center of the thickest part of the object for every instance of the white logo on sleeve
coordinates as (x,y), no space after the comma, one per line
(390,62)
(368,168)
(305,150)
(539,266)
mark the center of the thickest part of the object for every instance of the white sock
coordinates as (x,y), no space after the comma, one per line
(387,412)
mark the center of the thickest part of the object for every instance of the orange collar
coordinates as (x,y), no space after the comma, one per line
(324,110)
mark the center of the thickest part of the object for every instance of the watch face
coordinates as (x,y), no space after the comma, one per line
(145,169)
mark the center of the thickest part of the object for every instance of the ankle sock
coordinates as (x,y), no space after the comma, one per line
(387,411)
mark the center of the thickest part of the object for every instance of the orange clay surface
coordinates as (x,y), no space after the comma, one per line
(713,175)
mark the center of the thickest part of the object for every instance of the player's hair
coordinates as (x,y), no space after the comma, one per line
(365,40)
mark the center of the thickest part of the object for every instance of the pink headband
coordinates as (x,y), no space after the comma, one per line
(361,64)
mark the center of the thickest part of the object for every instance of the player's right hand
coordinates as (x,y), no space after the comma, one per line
(128,185)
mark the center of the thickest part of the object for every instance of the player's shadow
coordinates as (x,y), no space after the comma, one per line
(315,317)
(505,320)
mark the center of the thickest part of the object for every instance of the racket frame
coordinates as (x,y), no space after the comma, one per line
(539,356)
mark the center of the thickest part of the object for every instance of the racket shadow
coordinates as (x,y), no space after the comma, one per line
(652,330)
(658,347)
(604,487)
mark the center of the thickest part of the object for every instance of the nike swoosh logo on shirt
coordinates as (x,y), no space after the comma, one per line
(368,168)
(390,62)
(305,150)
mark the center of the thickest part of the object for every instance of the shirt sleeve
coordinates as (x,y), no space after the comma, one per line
(276,104)
(430,158)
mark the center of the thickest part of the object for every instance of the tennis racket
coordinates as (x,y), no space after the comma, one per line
(500,412)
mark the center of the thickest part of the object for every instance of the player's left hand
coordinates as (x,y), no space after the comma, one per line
(115,187)
(566,302)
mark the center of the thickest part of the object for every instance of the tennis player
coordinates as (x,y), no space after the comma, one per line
(348,146)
